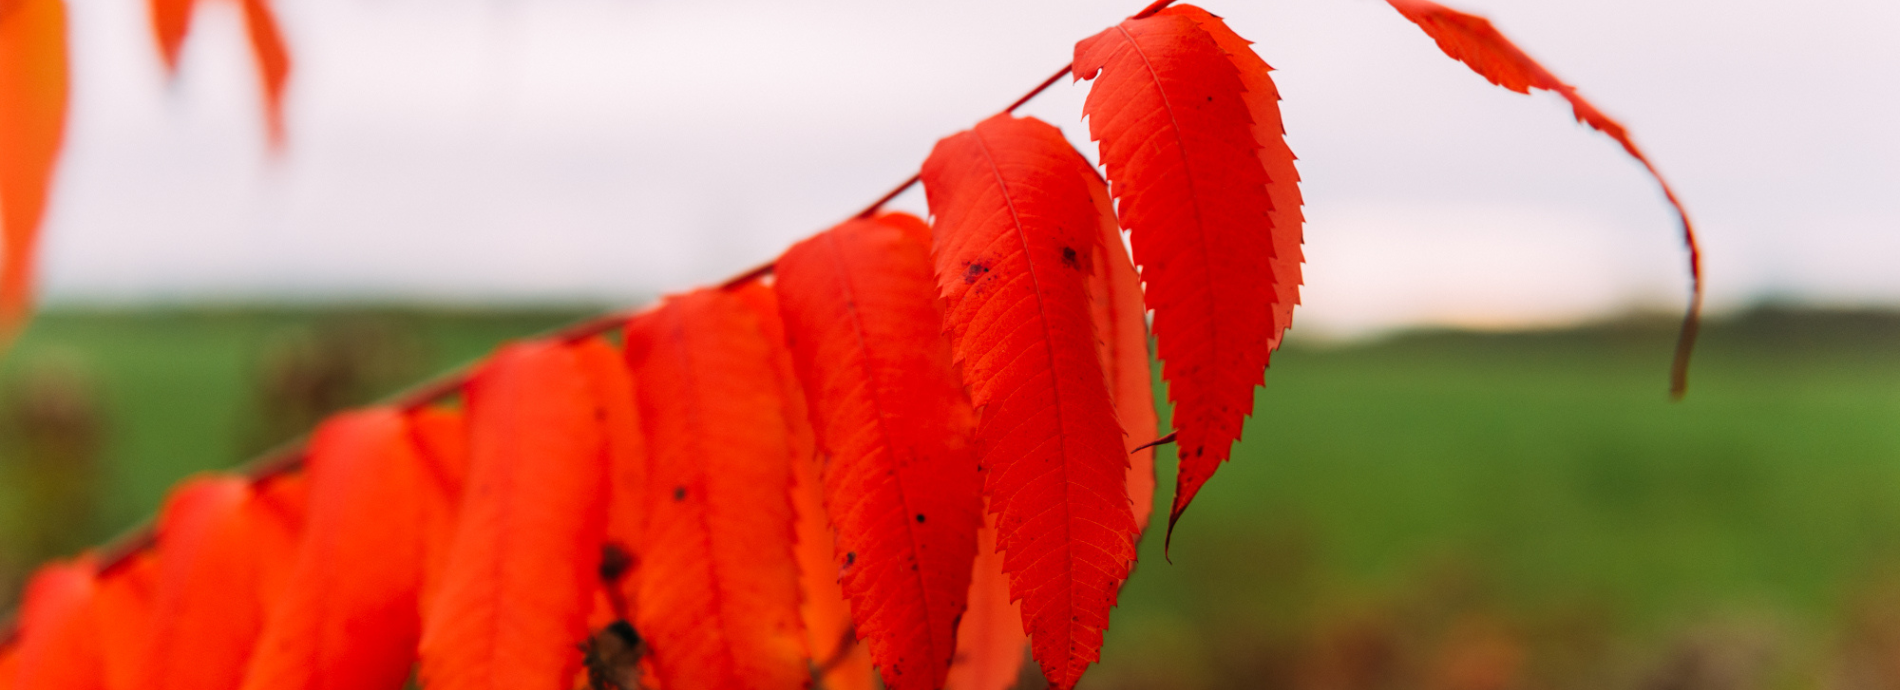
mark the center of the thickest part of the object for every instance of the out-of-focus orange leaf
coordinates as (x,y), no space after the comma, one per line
(224,551)
(58,650)
(626,449)
(1015,231)
(122,616)
(273,64)
(441,439)
(513,601)
(718,595)
(349,616)
(33,97)
(171,24)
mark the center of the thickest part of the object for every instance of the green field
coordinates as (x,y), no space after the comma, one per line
(1448,510)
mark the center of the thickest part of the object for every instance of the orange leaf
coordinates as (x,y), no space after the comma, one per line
(440,435)
(521,572)
(57,647)
(902,485)
(990,639)
(171,20)
(122,616)
(349,618)
(718,594)
(9,665)
(830,638)
(273,64)
(171,23)
(1201,198)
(1472,40)
(606,369)
(1121,335)
(224,549)
(33,76)
(1015,234)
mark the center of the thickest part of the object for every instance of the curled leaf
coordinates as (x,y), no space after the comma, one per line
(1472,40)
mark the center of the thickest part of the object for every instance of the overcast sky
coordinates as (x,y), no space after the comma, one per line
(482,150)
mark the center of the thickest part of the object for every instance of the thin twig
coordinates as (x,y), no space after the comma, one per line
(289,457)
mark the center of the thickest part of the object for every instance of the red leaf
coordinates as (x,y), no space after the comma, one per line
(171,20)
(33,84)
(273,64)
(171,23)
(1472,40)
(902,485)
(224,549)
(830,638)
(990,639)
(1202,199)
(1015,234)
(1121,335)
(57,647)
(122,618)
(521,573)
(440,435)
(718,592)
(626,449)
(349,616)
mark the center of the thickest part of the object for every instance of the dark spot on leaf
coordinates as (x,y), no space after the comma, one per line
(920,518)
(850,557)
(614,562)
(974,270)
(625,632)
(679,493)
(1068,258)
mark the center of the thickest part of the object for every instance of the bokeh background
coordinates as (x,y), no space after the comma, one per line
(1463,471)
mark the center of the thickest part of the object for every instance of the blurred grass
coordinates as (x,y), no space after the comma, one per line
(1437,505)
(1543,482)
(180,388)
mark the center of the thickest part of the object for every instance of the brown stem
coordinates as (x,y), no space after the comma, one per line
(289,457)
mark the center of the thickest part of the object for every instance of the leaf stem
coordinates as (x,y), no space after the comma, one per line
(289,457)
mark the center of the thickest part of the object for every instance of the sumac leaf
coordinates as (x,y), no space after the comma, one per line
(841,663)
(225,550)
(1472,40)
(58,649)
(440,435)
(349,616)
(522,571)
(1181,119)
(990,640)
(33,98)
(1015,232)
(626,449)
(1121,334)
(122,616)
(901,485)
(718,587)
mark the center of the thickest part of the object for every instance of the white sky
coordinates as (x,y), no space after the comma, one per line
(479,150)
